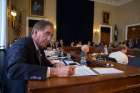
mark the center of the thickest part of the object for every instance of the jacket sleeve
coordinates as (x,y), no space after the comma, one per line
(18,67)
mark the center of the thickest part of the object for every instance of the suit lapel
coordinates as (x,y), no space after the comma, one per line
(38,56)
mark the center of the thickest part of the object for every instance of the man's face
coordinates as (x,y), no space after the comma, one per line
(43,37)
(125,50)
(86,50)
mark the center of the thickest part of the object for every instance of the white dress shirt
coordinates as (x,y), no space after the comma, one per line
(48,68)
(120,57)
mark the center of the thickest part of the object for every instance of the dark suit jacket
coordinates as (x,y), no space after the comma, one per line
(23,61)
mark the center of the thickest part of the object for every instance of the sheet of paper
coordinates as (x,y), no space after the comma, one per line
(107,70)
(83,71)
(52,58)
(69,62)
(56,61)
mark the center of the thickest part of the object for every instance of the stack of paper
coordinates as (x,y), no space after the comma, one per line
(83,71)
(107,70)
(69,62)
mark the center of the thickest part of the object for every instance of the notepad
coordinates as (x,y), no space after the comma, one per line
(83,71)
(107,70)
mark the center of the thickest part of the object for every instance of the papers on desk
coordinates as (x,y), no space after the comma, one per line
(53,58)
(54,61)
(83,71)
(107,71)
(70,62)
(61,57)
(49,52)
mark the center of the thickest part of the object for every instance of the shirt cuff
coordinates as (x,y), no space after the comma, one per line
(48,73)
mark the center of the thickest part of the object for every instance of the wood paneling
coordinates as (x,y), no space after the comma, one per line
(105,35)
(114,83)
(133,32)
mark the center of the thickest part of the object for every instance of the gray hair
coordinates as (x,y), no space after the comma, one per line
(40,25)
(122,47)
(84,47)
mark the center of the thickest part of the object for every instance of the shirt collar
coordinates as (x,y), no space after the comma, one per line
(37,48)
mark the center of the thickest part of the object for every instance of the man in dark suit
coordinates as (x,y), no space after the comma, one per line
(26,59)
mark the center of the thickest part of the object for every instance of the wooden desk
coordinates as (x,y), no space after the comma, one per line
(129,82)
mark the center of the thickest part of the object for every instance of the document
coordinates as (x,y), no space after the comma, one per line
(83,71)
(52,58)
(70,62)
(104,70)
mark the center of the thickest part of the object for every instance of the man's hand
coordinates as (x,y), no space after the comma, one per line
(57,63)
(62,71)
(90,58)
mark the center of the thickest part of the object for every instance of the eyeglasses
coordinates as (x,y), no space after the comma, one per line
(48,33)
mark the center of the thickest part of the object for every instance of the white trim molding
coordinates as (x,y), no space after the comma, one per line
(110,32)
(126,29)
(3,24)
